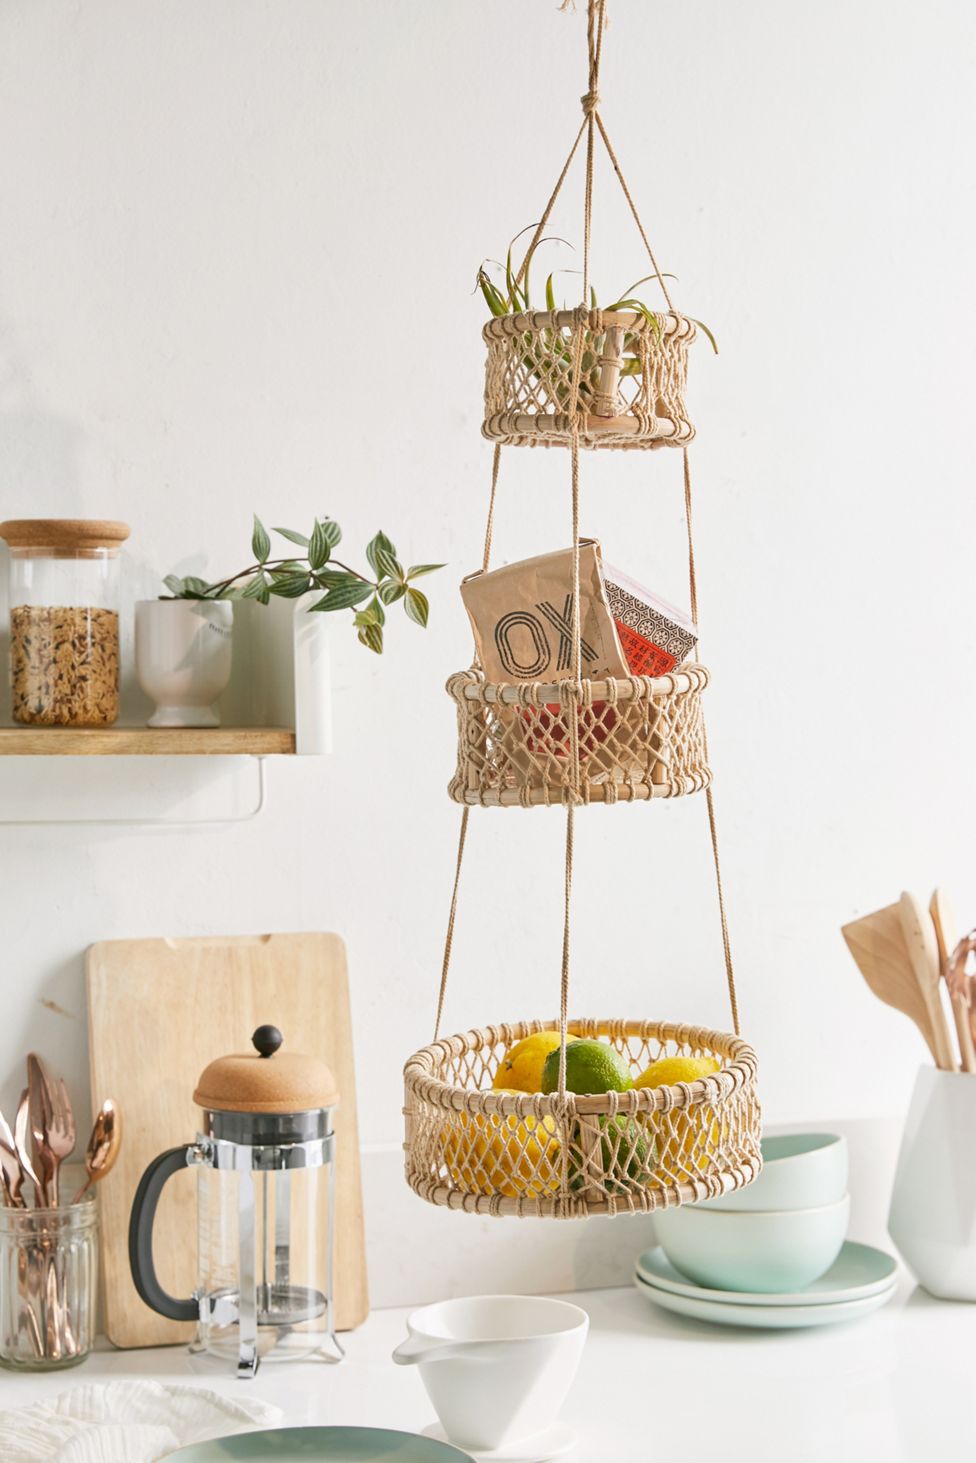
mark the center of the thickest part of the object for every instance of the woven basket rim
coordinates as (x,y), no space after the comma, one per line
(499,327)
(472,685)
(713,1089)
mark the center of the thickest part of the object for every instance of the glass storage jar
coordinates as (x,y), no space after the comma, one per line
(48,1274)
(64,620)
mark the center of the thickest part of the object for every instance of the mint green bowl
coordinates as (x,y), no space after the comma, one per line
(759,1252)
(800,1171)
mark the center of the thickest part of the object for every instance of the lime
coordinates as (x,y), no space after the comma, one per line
(627,1155)
(591,1067)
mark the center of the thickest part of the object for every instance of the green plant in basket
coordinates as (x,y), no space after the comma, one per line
(314,569)
(549,355)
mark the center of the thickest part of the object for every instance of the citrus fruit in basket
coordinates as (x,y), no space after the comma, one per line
(688,1138)
(627,1155)
(494,1153)
(520,1070)
(591,1067)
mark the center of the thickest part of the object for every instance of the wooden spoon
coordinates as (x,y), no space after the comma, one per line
(945,935)
(103,1146)
(924,952)
(877,942)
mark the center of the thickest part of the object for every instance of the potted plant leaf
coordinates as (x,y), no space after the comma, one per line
(184,638)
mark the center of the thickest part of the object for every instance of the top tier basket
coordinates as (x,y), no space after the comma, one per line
(632,379)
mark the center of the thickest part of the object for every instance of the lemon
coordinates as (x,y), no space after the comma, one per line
(491,1153)
(591,1067)
(687,1138)
(669,1070)
(521,1068)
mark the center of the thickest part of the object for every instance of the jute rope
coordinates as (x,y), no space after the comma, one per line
(574,690)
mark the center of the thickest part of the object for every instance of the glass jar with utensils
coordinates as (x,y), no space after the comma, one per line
(265,1160)
(48,1238)
(48,1283)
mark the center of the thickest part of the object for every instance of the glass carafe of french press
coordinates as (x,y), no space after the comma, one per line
(265,1159)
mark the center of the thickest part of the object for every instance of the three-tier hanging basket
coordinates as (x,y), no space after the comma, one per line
(583,378)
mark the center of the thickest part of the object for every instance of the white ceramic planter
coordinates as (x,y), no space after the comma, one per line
(933,1204)
(183,658)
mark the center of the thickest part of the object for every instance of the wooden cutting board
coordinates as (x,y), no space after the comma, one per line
(158,1012)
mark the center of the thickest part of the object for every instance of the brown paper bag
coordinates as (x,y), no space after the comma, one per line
(522,617)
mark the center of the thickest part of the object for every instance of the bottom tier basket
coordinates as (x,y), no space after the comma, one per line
(469,1147)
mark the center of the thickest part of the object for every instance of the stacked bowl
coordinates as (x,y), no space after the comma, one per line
(774,1253)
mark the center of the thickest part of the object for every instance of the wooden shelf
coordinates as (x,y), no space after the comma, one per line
(142,741)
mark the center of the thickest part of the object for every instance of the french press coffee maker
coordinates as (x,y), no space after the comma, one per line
(265,1160)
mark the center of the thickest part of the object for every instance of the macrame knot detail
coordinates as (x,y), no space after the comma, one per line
(590,101)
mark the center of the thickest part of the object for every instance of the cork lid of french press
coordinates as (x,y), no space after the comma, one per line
(266,1080)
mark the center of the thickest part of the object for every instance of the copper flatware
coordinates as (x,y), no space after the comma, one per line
(52,1124)
(11,1173)
(22,1145)
(103,1146)
(945,927)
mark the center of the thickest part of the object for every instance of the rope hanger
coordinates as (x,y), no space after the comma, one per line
(575,691)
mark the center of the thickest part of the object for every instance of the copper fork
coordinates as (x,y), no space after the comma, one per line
(52,1124)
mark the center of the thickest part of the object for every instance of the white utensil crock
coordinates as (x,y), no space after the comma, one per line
(183,658)
(933,1204)
(497,1368)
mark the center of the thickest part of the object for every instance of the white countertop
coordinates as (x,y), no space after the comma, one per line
(896,1386)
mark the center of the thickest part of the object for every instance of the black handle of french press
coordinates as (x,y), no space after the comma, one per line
(140,1237)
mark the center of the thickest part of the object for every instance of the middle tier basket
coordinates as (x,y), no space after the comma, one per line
(489,1152)
(642,737)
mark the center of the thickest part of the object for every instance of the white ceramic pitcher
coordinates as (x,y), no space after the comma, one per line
(497,1368)
(932,1218)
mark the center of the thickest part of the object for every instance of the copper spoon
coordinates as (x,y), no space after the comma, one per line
(103,1146)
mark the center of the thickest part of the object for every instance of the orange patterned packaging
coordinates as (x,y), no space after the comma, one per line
(655,636)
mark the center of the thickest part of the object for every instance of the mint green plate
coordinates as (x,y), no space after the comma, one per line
(858,1272)
(329,1444)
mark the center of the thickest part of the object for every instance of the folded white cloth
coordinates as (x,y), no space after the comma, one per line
(125,1422)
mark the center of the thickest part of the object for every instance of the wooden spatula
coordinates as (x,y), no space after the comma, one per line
(945,935)
(924,952)
(877,942)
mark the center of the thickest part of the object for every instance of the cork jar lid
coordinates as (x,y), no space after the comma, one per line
(266,1080)
(63,533)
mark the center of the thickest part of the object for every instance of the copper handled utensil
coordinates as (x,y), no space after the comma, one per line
(52,1124)
(959,994)
(22,1144)
(11,1173)
(103,1146)
(962,981)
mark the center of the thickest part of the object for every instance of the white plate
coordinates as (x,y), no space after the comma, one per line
(555,1442)
(858,1272)
(759,1317)
(324,1445)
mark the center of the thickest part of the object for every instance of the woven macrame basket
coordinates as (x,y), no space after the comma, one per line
(632,383)
(638,738)
(468,1147)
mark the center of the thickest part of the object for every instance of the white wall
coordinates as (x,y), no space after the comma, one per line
(236,262)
